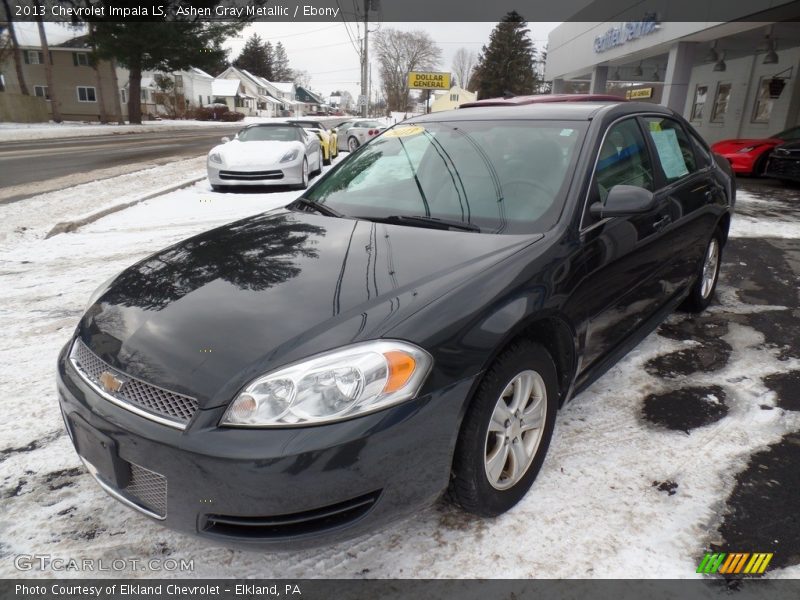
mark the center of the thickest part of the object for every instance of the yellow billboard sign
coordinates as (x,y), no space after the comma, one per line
(640,93)
(419,80)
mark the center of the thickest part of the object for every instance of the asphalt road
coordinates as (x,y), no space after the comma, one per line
(35,161)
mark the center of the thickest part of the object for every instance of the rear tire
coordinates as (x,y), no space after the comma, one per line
(499,453)
(352,144)
(326,161)
(218,188)
(702,292)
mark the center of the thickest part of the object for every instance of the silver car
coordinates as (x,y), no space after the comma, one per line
(360,132)
(265,154)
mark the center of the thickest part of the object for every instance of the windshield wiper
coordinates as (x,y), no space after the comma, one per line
(423,221)
(314,205)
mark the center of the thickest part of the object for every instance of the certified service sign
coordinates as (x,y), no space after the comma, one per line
(418,80)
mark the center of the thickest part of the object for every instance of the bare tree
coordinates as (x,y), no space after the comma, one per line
(48,65)
(463,65)
(399,53)
(23,87)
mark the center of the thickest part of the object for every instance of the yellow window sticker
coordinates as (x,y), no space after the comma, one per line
(405,131)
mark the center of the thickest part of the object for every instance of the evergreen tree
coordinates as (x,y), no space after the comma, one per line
(508,63)
(280,64)
(254,57)
(270,53)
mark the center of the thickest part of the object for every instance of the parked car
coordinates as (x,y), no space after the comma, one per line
(265,154)
(360,132)
(749,156)
(327,138)
(784,163)
(341,134)
(410,325)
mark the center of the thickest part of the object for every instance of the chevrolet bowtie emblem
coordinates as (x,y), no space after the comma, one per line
(110,382)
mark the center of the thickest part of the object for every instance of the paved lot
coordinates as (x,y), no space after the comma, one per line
(690,443)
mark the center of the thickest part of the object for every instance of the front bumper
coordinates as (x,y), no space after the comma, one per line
(287,488)
(290,173)
(742,164)
(785,169)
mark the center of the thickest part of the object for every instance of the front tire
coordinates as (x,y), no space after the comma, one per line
(702,291)
(304,183)
(506,431)
(218,188)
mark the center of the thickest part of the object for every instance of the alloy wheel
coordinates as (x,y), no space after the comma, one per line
(710,266)
(515,430)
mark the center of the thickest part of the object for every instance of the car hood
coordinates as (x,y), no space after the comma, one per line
(737,144)
(254,154)
(207,315)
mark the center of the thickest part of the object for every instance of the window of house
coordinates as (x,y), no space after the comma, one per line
(80,59)
(200,99)
(178,81)
(763,107)
(208,99)
(144,95)
(86,94)
(700,95)
(453,97)
(41,92)
(721,103)
(2,83)
(124,95)
(34,57)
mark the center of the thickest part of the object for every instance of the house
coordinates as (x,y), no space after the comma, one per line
(229,92)
(79,87)
(452,99)
(266,100)
(314,104)
(168,94)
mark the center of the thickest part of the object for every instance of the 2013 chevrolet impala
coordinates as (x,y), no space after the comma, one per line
(409,326)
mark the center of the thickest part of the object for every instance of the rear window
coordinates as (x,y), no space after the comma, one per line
(290,133)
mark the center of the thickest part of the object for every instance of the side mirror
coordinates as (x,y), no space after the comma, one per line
(623,201)
(225,139)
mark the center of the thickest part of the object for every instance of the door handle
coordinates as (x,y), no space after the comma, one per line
(662,222)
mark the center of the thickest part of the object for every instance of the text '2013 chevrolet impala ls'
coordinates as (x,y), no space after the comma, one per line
(409,326)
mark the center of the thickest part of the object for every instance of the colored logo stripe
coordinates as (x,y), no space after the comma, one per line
(734,563)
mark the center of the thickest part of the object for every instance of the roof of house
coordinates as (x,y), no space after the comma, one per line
(285,87)
(225,87)
(57,34)
(200,72)
(316,97)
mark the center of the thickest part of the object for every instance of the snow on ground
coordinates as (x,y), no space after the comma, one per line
(593,512)
(13,132)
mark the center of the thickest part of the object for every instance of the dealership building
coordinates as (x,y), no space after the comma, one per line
(730,80)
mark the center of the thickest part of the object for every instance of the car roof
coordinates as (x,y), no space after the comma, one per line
(543,98)
(549,111)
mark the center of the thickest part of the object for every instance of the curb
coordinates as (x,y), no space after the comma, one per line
(71,226)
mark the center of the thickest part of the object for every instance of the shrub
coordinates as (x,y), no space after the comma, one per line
(216,112)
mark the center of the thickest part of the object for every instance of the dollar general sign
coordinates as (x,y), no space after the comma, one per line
(428,81)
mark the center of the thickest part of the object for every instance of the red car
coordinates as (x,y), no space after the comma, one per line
(749,156)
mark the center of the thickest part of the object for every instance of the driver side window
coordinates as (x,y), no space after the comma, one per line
(623,160)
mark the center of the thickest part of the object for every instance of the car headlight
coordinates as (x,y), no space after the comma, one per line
(101,289)
(290,155)
(332,386)
(215,157)
(747,149)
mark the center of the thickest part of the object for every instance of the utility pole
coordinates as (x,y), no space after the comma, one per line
(365,62)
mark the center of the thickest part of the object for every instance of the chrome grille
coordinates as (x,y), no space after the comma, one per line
(148,488)
(149,401)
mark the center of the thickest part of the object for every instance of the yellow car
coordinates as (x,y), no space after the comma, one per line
(327,138)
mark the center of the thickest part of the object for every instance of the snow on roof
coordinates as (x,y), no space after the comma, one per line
(200,72)
(57,33)
(285,87)
(225,87)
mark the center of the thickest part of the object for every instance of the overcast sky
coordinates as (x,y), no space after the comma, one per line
(326,52)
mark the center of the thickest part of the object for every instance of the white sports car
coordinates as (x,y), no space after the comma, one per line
(265,154)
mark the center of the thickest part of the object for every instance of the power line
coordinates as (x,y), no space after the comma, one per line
(288,35)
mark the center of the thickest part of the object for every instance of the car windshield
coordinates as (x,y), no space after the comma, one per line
(501,176)
(789,134)
(272,133)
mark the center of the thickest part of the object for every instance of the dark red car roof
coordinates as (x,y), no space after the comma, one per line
(539,98)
